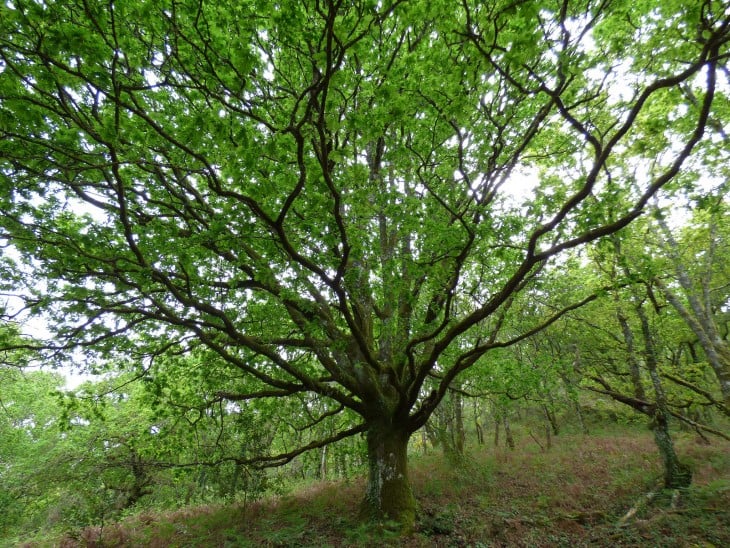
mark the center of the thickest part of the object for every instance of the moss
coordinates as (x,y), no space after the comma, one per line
(676,474)
(389,496)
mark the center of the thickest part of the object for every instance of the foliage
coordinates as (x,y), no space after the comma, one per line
(308,203)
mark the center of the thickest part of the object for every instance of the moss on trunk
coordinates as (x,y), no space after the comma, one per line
(676,474)
(389,496)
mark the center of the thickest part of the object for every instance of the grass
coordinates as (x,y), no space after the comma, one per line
(572,495)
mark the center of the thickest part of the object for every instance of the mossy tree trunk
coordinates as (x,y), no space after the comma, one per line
(389,496)
(676,474)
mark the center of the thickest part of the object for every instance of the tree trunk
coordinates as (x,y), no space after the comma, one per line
(479,431)
(581,418)
(451,428)
(548,437)
(458,432)
(496,431)
(633,362)
(389,496)
(323,464)
(508,432)
(552,420)
(676,474)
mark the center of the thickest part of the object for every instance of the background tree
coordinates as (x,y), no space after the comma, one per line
(637,341)
(696,284)
(316,191)
(27,413)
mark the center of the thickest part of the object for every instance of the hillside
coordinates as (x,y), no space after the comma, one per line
(574,494)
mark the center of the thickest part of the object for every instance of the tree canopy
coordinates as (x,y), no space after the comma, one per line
(323,194)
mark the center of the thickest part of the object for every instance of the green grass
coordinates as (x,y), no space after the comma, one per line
(572,495)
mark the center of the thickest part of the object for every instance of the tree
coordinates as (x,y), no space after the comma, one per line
(645,348)
(646,360)
(700,293)
(28,412)
(26,415)
(318,192)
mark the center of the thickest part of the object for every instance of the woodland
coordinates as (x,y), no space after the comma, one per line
(304,240)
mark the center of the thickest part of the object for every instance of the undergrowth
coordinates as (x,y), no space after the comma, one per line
(574,494)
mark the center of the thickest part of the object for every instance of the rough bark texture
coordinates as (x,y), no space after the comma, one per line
(389,496)
(676,474)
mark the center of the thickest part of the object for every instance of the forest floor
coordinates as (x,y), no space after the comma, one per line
(575,493)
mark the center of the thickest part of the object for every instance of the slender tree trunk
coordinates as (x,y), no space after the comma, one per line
(497,418)
(478,428)
(676,474)
(552,420)
(323,464)
(715,347)
(237,471)
(479,431)
(389,496)
(446,428)
(341,463)
(633,362)
(508,432)
(570,388)
(452,428)
(581,419)
(548,437)
(459,434)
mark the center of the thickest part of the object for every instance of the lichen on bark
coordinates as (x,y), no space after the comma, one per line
(389,496)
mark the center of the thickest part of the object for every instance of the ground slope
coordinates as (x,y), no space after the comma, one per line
(573,494)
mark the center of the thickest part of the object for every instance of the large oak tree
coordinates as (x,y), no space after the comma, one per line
(323,192)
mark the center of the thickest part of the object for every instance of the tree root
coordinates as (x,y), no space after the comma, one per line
(640,504)
(646,500)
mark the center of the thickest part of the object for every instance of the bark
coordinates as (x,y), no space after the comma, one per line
(446,427)
(633,362)
(676,473)
(551,419)
(389,496)
(508,432)
(548,437)
(458,432)
(480,431)
(323,463)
